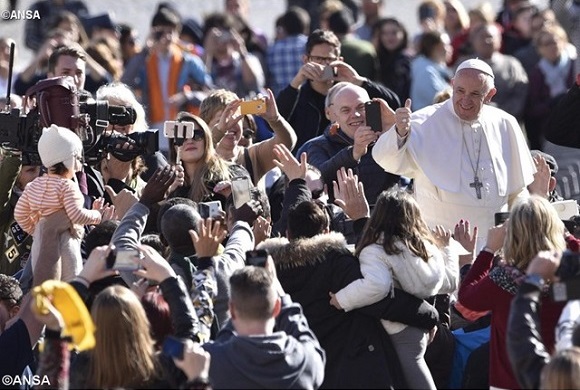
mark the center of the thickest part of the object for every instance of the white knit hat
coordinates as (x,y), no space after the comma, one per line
(59,145)
(476,64)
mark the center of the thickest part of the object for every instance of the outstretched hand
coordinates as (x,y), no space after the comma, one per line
(207,238)
(288,164)
(349,194)
(122,200)
(541,184)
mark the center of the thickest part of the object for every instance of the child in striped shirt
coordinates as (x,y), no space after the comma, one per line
(61,151)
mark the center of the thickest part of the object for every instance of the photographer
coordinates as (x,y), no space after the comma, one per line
(529,357)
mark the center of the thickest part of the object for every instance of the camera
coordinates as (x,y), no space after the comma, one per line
(57,101)
(569,274)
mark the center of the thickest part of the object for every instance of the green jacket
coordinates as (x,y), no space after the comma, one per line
(16,243)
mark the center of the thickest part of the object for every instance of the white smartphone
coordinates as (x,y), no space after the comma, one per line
(241,187)
(210,209)
(174,129)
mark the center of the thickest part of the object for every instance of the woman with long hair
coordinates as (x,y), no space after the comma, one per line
(391,39)
(397,249)
(533,226)
(203,167)
(124,354)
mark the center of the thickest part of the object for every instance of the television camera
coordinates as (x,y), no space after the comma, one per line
(57,101)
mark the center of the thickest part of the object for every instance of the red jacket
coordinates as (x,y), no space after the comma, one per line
(480,293)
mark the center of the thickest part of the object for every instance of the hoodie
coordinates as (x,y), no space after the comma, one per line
(289,358)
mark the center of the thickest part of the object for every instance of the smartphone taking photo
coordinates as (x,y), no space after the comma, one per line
(373,116)
(173,347)
(329,73)
(210,209)
(257,258)
(124,260)
(241,191)
(255,106)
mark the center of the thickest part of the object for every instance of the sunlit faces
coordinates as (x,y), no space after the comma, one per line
(193,149)
(469,93)
(71,66)
(348,109)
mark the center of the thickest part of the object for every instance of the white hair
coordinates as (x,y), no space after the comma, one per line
(120,93)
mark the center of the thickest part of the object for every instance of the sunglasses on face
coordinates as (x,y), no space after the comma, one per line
(198,135)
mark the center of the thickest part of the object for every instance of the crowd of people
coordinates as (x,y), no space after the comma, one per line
(345,206)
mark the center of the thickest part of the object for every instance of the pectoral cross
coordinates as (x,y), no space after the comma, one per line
(477,185)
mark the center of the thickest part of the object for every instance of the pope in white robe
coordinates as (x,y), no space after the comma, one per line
(469,160)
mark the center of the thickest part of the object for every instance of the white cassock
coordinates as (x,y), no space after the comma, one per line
(444,154)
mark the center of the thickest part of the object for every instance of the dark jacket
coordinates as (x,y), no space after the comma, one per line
(564,120)
(304,108)
(540,104)
(185,325)
(527,352)
(289,358)
(333,150)
(359,353)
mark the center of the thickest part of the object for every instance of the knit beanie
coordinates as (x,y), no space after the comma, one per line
(59,145)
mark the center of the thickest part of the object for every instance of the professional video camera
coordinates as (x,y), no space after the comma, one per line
(57,101)
(568,287)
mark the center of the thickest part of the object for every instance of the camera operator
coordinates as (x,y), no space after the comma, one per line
(529,357)
(131,174)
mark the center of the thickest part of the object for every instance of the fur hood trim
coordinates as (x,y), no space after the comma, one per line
(304,251)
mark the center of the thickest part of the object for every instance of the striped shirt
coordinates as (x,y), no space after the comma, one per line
(46,195)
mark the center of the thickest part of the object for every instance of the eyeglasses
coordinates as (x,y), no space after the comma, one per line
(322,60)
(198,135)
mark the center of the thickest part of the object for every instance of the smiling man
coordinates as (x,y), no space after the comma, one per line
(348,141)
(469,160)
